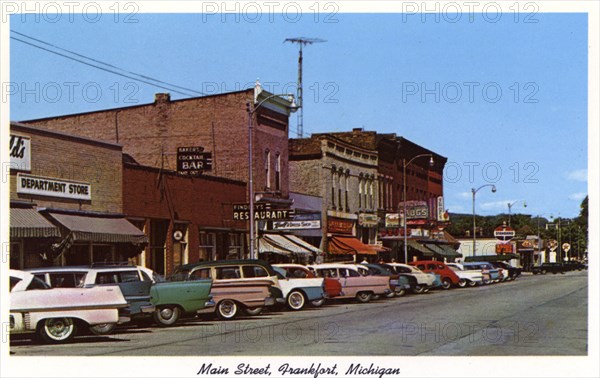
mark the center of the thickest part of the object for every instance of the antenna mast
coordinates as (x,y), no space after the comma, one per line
(301,41)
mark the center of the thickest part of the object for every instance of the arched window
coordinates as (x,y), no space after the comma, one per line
(277,172)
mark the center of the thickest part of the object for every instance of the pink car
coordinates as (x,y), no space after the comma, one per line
(354,284)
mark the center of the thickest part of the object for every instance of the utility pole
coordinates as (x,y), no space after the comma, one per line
(301,41)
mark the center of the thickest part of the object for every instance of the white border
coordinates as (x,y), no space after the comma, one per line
(411,366)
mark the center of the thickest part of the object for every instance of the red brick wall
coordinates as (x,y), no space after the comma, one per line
(218,123)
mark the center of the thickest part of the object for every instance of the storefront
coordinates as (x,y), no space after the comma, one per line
(66,201)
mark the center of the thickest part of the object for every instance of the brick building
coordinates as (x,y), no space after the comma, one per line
(186,219)
(345,177)
(66,200)
(151,133)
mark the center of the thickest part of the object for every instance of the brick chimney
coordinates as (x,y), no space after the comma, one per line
(162,98)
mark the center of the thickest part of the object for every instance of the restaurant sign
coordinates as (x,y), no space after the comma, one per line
(43,186)
(262,212)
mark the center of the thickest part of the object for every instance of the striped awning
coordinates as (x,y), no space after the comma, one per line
(307,246)
(100,229)
(266,246)
(283,242)
(450,252)
(28,223)
(416,245)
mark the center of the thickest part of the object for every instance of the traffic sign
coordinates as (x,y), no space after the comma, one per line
(504,233)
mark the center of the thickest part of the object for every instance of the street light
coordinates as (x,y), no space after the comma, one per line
(251,108)
(474,191)
(404,165)
(510,205)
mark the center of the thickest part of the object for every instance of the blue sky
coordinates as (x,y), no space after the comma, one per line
(505,102)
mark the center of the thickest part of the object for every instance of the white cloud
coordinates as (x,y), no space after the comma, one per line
(464,195)
(578,196)
(578,175)
(495,205)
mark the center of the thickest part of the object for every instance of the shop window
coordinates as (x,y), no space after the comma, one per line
(207,246)
(78,254)
(102,254)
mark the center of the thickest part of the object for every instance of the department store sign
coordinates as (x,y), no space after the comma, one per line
(20,153)
(50,187)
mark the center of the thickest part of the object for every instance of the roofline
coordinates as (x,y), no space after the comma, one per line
(17,126)
(174,173)
(134,106)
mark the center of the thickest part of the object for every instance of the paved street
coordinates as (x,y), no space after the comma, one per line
(535,315)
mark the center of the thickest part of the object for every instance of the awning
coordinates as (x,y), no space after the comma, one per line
(28,223)
(500,257)
(436,249)
(100,229)
(264,246)
(339,245)
(303,244)
(282,242)
(450,252)
(425,251)
(379,248)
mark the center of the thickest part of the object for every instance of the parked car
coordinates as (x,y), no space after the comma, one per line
(513,272)
(55,314)
(354,284)
(467,277)
(174,299)
(398,284)
(574,265)
(490,274)
(544,268)
(420,281)
(129,279)
(447,276)
(332,286)
(228,273)
(299,291)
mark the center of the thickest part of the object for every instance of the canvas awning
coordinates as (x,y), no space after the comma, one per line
(436,249)
(450,252)
(416,245)
(28,223)
(303,244)
(283,242)
(265,246)
(340,245)
(100,229)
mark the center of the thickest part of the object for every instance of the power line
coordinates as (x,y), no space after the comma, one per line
(166,85)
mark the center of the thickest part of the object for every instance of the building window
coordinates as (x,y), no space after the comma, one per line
(235,246)
(267,169)
(346,177)
(333,178)
(371,193)
(277,172)
(381,197)
(340,183)
(207,246)
(360,190)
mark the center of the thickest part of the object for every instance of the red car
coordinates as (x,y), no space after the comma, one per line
(333,288)
(447,276)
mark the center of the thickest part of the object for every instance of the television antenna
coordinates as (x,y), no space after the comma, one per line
(301,41)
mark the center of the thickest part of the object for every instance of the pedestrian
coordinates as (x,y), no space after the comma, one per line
(364,261)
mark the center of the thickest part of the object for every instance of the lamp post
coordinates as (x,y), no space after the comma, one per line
(510,205)
(474,191)
(404,165)
(251,109)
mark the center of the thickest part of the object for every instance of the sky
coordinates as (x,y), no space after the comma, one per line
(504,99)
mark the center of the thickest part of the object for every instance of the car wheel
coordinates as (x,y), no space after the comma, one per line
(400,293)
(227,309)
(57,330)
(318,302)
(462,283)
(446,284)
(103,329)
(167,316)
(472,283)
(419,289)
(296,300)
(364,297)
(253,311)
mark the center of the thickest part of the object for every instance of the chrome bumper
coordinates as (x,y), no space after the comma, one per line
(148,309)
